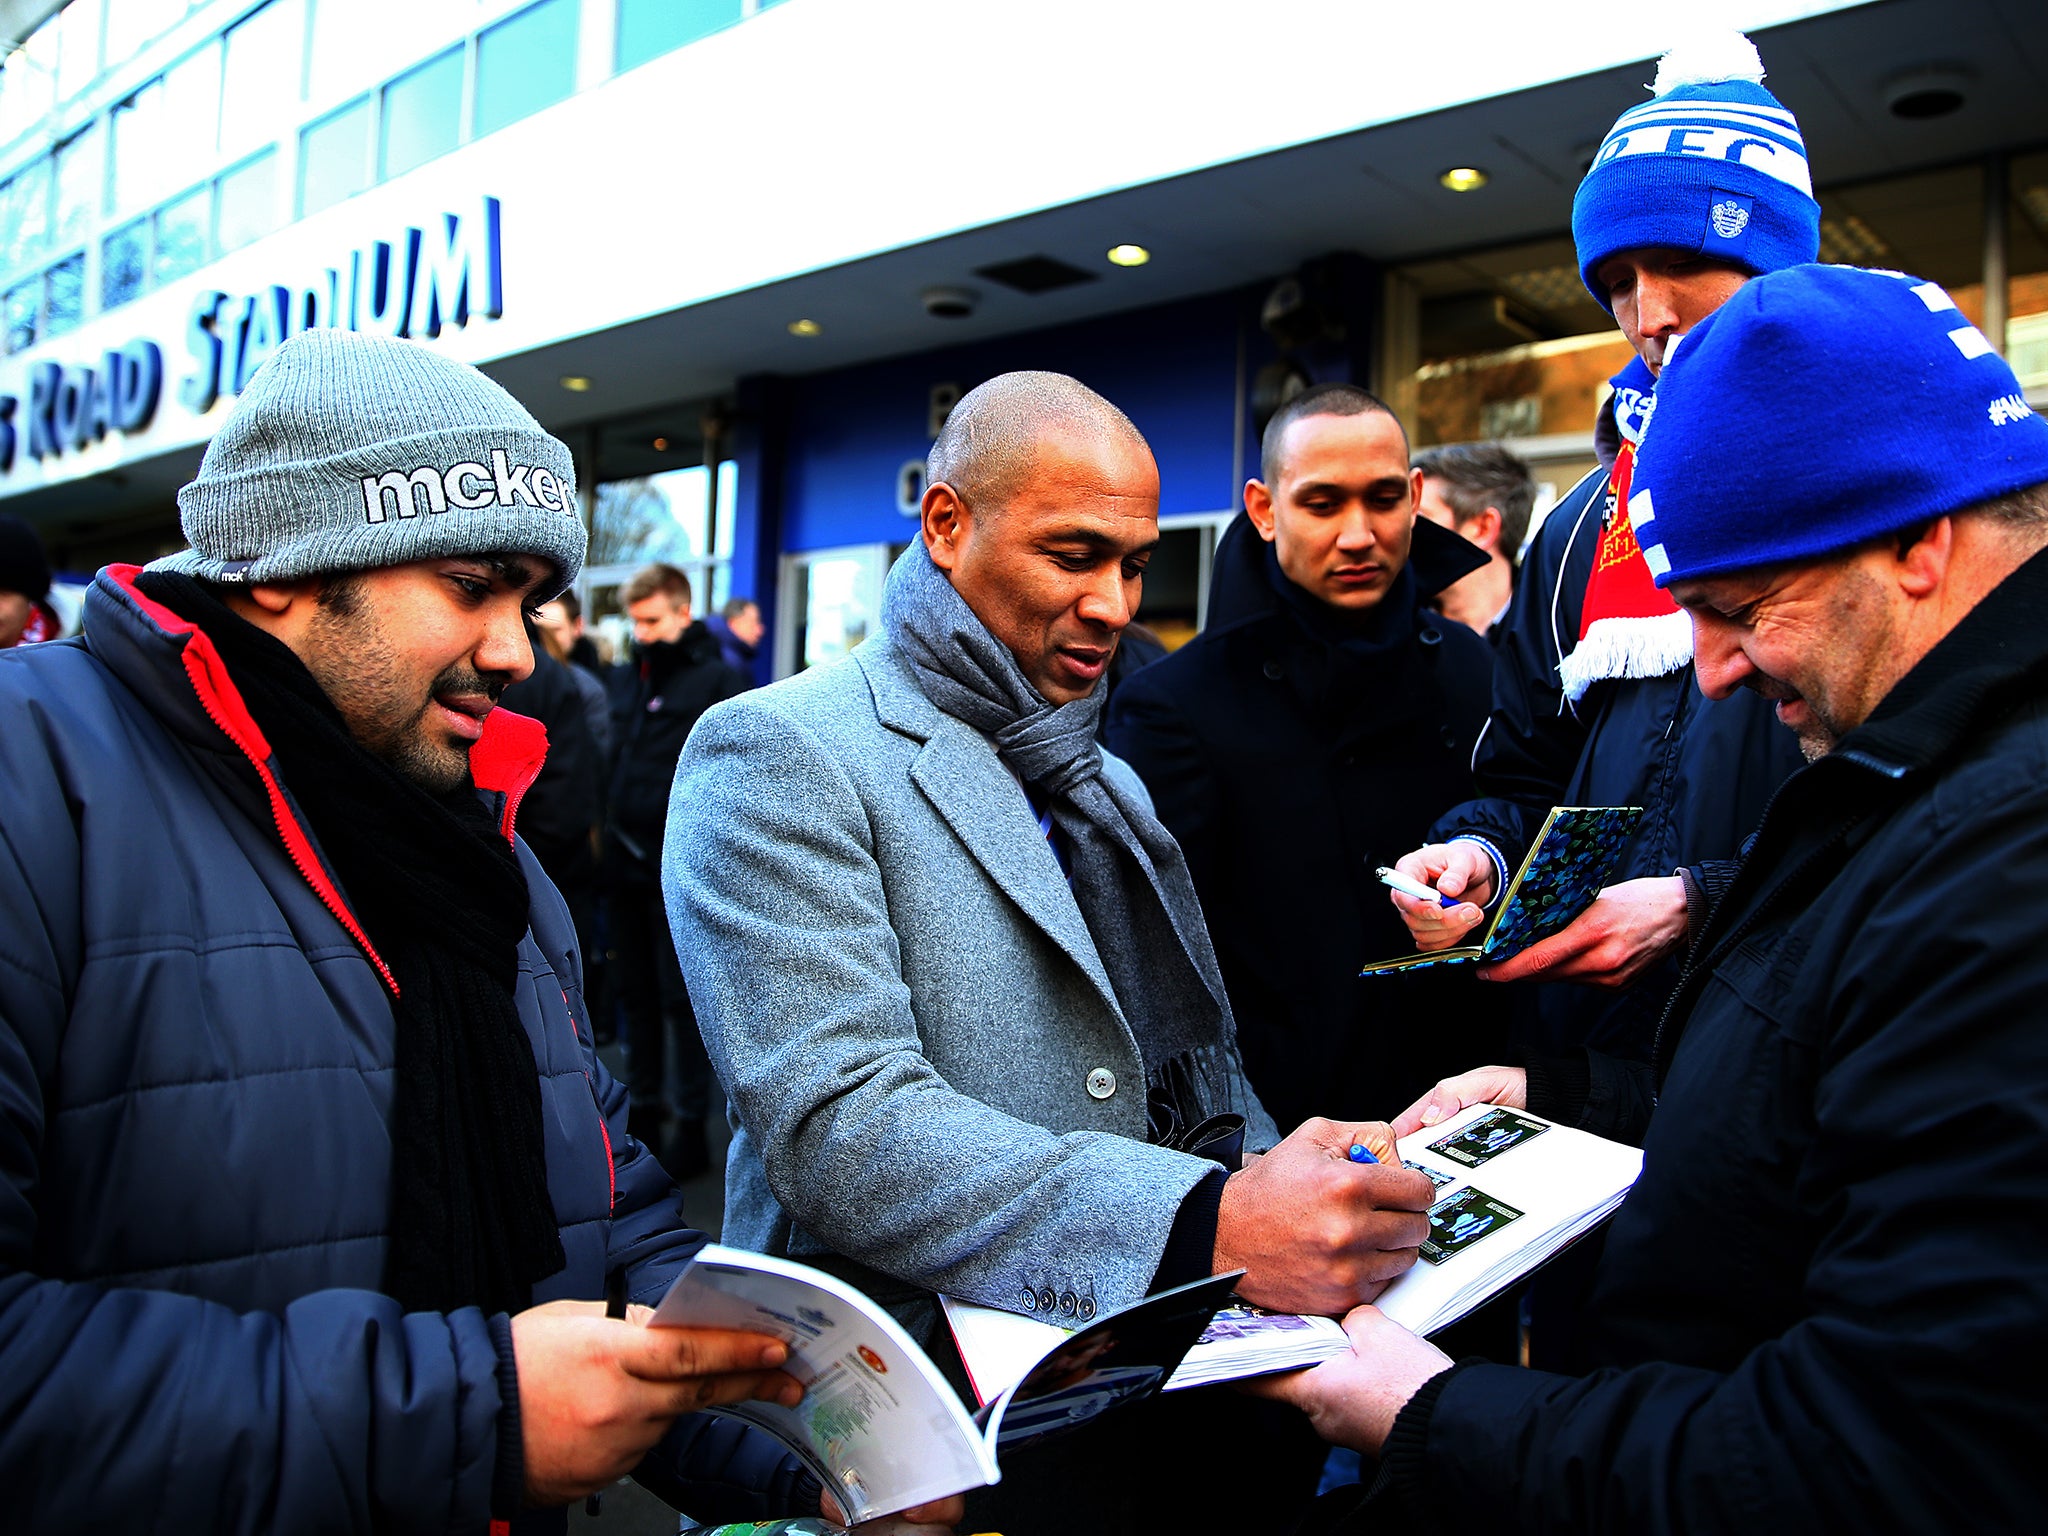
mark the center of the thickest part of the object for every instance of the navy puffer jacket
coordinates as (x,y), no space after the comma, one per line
(196,1047)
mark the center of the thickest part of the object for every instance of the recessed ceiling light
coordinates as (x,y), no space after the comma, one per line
(805,328)
(661,445)
(1463,178)
(1935,91)
(1129,255)
(575,383)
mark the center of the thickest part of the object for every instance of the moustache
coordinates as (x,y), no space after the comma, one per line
(466,682)
(1770,688)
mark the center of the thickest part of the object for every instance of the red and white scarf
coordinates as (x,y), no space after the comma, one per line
(1629,626)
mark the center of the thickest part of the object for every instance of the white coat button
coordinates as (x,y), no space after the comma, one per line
(1101,1083)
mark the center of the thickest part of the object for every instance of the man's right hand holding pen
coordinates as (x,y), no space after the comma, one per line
(1459,868)
(1316,1230)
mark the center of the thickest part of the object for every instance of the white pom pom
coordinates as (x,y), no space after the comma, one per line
(1708,59)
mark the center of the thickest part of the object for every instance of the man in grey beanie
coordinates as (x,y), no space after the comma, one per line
(310,1178)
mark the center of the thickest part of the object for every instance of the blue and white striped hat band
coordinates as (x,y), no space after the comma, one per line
(1764,138)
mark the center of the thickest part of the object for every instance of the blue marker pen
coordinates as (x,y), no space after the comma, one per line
(1361,1154)
(1415,888)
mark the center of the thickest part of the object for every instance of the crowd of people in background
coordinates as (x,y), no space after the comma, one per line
(1021,955)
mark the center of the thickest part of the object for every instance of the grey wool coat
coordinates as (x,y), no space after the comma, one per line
(905,1006)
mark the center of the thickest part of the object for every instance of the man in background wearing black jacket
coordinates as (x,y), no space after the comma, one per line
(657,697)
(1821,1306)
(1309,734)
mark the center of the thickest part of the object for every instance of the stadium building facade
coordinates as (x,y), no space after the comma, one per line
(743,255)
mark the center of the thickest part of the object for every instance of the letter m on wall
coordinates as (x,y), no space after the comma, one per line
(462,271)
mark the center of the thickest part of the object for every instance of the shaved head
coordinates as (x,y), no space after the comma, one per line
(994,436)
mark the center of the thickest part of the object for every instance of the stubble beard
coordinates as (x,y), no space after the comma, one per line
(357,669)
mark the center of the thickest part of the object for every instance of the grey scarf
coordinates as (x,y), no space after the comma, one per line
(1129,877)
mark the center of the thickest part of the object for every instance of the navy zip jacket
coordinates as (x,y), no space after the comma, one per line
(1822,1306)
(196,1048)
(1702,770)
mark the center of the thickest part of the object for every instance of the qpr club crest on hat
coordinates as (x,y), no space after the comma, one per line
(1728,220)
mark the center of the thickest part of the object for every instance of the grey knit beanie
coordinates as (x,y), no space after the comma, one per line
(349,452)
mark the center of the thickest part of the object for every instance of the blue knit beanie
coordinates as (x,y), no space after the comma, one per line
(1819,408)
(1713,164)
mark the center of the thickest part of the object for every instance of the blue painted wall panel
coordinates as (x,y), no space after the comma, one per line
(1172,369)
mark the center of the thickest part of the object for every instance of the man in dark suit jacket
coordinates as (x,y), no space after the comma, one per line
(1311,733)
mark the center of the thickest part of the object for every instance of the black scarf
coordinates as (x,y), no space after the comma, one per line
(439,891)
(1129,878)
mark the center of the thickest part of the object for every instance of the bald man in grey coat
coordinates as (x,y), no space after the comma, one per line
(951,969)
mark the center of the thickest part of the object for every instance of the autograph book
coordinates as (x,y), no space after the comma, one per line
(1513,1190)
(1566,867)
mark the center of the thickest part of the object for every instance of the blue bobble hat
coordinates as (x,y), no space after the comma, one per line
(1713,164)
(1818,409)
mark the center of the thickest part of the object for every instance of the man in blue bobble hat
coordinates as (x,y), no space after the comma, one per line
(1692,193)
(1821,1304)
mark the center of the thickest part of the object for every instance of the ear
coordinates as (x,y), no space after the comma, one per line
(277,597)
(944,521)
(1923,565)
(1258,506)
(1484,530)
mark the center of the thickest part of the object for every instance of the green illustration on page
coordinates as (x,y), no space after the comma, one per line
(1566,868)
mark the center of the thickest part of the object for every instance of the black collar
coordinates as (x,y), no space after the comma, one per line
(1999,651)
(1239,592)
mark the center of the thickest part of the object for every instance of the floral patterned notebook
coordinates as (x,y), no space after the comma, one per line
(1566,868)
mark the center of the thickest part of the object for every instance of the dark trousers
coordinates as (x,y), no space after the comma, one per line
(666,1067)
(1206,1460)
(1191,1462)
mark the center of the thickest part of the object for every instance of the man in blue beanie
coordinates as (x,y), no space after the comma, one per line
(1820,1307)
(1691,194)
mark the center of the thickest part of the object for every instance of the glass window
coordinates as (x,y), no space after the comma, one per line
(260,75)
(66,306)
(659,517)
(136,172)
(24,305)
(839,601)
(181,237)
(649,28)
(2026,326)
(1511,345)
(1930,224)
(124,264)
(28,88)
(132,23)
(524,63)
(351,39)
(246,209)
(334,157)
(78,48)
(25,216)
(422,115)
(191,123)
(81,174)
(166,133)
